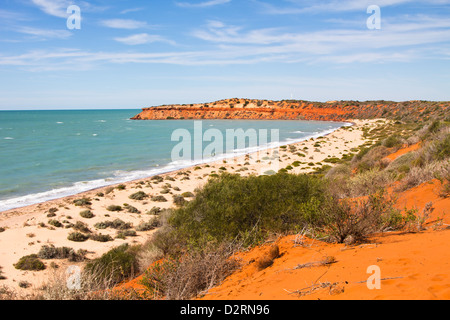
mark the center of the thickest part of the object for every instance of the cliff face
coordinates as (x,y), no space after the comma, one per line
(295,110)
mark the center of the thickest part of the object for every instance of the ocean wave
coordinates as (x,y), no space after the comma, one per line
(8,138)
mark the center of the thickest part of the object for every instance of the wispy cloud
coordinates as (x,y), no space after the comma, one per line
(405,39)
(312,6)
(7,15)
(204,4)
(45,33)
(57,8)
(123,24)
(131,10)
(142,38)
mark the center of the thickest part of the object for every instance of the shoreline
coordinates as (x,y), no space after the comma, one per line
(24,227)
(221,157)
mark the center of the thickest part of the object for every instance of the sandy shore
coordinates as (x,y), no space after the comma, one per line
(27,229)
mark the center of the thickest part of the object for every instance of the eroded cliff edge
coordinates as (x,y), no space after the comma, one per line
(251,109)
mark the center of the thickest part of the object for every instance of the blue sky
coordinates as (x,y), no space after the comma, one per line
(135,54)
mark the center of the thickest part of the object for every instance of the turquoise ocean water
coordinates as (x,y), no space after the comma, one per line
(46,155)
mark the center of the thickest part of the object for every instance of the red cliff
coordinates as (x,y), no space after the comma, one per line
(294,110)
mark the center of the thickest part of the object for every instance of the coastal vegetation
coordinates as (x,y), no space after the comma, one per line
(344,199)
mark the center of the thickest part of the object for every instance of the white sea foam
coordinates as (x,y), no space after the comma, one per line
(8,138)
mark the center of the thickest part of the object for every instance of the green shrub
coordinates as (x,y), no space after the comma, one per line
(443,148)
(150,225)
(125,233)
(116,224)
(114,208)
(234,207)
(51,252)
(81,226)
(179,200)
(154,211)
(434,126)
(82,202)
(159,199)
(140,195)
(187,194)
(101,237)
(116,265)
(132,209)
(55,223)
(87,214)
(30,262)
(351,221)
(157,179)
(77,237)
(391,142)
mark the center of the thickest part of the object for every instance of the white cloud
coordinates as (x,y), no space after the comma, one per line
(57,8)
(202,4)
(45,33)
(123,24)
(312,6)
(142,38)
(131,10)
(405,39)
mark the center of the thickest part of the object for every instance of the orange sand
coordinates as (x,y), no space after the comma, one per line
(402,151)
(412,265)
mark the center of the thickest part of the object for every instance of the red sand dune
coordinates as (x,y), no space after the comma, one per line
(412,265)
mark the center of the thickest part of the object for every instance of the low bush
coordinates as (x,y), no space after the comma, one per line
(101,237)
(159,199)
(179,200)
(30,263)
(77,237)
(87,214)
(55,223)
(116,265)
(51,252)
(82,202)
(391,142)
(351,221)
(246,208)
(183,279)
(81,226)
(140,195)
(132,209)
(125,233)
(187,194)
(150,225)
(114,208)
(116,224)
